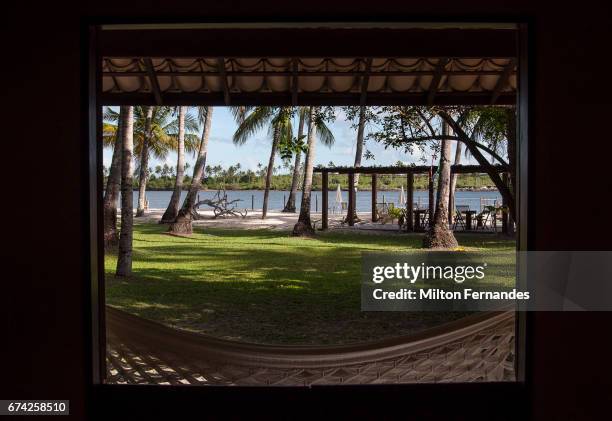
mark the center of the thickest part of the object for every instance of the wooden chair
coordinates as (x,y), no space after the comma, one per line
(459,219)
(487,217)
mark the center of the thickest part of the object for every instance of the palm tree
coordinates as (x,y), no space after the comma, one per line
(439,235)
(359,144)
(362,115)
(152,136)
(124,257)
(144,160)
(184,142)
(290,205)
(250,121)
(453,185)
(182,224)
(112,135)
(316,123)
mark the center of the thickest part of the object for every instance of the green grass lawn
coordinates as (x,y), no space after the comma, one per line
(265,286)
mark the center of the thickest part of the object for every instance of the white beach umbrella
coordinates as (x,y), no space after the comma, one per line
(402,197)
(338,203)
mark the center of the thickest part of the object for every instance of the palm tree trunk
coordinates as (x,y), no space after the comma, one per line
(275,140)
(453,186)
(113,184)
(439,236)
(304,224)
(359,145)
(458,153)
(124,258)
(173,207)
(144,164)
(290,205)
(182,224)
(358,155)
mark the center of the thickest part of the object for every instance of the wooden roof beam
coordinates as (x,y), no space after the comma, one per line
(503,80)
(108,63)
(224,82)
(360,73)
(435,81)
(365,80)
(418,169)
(153,81)
(305,98)
(294,81)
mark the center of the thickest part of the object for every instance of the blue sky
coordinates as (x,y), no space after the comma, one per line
(221,150)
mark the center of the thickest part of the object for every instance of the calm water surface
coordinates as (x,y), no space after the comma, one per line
(474,199)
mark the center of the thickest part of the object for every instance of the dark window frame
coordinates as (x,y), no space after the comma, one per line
(425,398)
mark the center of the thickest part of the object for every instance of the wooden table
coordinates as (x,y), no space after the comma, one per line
(417,219)
(468,219)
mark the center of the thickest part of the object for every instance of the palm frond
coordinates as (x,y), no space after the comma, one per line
(109,134)
(109,114)
(252,123)
(192,142)
(192,124)
(325,134)
(240,112)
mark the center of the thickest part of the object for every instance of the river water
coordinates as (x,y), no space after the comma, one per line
(254,198)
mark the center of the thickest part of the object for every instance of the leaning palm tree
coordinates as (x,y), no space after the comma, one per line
(316,123)
(112,137)
(358,155)
(360,116)
(151,138)
(182,223)
(250,121)
(124,256)
(144,159)
(297,165)
(185,142)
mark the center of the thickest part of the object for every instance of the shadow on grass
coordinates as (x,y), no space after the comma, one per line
(264,286)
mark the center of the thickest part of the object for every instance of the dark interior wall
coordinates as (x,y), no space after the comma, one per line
(569,367)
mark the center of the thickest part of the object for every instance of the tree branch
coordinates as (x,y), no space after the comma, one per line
(473,147)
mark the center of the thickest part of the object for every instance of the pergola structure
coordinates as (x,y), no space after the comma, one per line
(409,171)
(441,66)
(353,80)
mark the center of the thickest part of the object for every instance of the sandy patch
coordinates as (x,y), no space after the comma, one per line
(274,220)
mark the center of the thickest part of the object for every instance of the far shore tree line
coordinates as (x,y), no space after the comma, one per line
(136,133)
(232,177)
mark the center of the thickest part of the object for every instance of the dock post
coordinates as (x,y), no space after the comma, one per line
(374,194)
(410,202)
(505,224)
(324,198)
(351,199)
(431,197)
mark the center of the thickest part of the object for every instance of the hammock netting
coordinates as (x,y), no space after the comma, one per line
(476,348)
